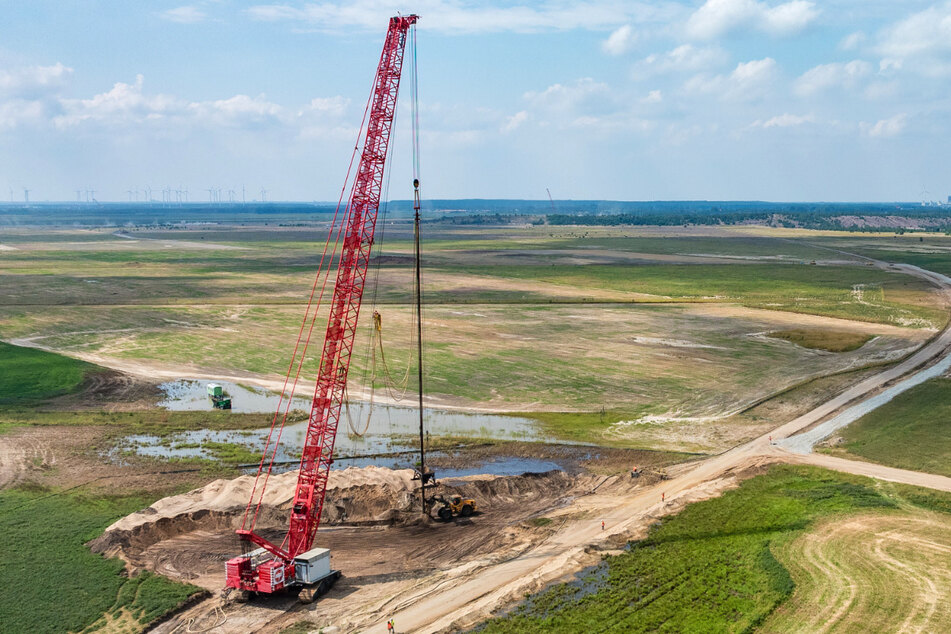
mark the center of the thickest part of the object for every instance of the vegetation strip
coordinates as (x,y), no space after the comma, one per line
(28,376)
(712,568)
(911,431)
(49,533)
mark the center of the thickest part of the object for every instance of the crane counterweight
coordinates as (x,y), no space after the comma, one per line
(271,568)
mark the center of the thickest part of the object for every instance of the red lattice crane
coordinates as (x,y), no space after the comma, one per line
(271,568)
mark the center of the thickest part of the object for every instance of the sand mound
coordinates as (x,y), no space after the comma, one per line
(355,496)
(367,495)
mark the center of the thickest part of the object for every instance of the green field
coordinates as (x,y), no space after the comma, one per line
(515,318)
(712,568)
(913,431)
(827,290)
(28,376)
(55,584)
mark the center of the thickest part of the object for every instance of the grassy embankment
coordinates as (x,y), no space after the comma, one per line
(28,376)
(913,431)
(828,340)
(713,567)
(60,585)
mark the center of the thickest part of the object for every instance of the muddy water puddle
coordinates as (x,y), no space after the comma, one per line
(386,432)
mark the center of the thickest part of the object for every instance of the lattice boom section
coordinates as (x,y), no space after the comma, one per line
(348,293)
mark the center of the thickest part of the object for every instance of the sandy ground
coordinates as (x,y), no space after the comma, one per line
(26,452)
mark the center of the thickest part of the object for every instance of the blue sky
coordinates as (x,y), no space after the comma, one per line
(702,99)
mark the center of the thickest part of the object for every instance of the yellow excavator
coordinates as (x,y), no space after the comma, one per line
(454,505)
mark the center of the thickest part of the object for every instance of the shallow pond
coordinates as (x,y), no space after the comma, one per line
(386,429)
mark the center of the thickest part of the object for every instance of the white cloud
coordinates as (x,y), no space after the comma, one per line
(17,112)
(184,15)
(512,123)
(748,80)
(886,127)
(684,58)
(654,96)
(326,106)
(620,41)
(468,16)
(33,81)
(754,71)
(835,75)
(784,121)
(923,39)
(925,32)
(718,17)
(582,92)
(238,111)
(852,41)
(882,90)
(127,104)
(613,124)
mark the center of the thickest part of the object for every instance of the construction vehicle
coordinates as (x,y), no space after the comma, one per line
(295,562)
(217,395)
(454,505)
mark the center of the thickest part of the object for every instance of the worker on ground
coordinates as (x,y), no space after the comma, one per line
(602,524)
(390,628)
(634,471)
(662,496)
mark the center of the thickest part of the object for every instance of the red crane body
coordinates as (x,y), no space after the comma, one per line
(276,571)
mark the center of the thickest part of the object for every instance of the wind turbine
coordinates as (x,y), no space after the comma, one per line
(26,195)
(263,195)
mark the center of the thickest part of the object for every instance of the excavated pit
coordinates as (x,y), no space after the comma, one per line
(370,522)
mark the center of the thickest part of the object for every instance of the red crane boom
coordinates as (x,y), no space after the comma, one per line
(276,568)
